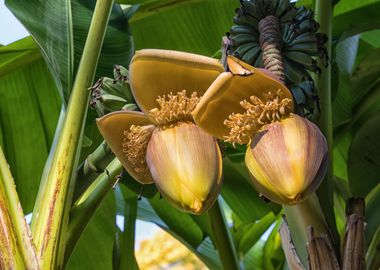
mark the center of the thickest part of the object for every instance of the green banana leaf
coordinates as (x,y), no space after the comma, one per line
(29,110)
(239,193)
(266,254)
(372,213)
(364,158)
(51,27)
(195,25)
(60,29)
(94,249)
(356,16)
(345,55)
(352,17)
(247,234)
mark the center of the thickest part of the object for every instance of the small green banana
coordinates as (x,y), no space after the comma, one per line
(251,55)
(242,29)
(240,39)
(294,72)
(309,48)
(300,58)
(304,38)
(244,48)
(112,103)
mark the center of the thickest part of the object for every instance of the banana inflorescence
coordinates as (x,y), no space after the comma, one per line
(112,94)
(298,43)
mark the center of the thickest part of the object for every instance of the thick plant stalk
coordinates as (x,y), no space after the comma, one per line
(16,248)
(50,220)
(353,247)
(321,252)
(324,15)
(85,206)
(301,216)
(223,240)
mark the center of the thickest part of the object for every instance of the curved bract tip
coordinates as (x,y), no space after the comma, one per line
(155,73)
(223,97)
(113,127)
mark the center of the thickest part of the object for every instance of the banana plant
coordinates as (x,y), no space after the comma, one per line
(55,163)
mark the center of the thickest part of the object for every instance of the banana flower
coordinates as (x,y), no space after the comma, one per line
(286,154)
(162,144)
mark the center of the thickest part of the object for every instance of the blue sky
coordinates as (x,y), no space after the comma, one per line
(10,31)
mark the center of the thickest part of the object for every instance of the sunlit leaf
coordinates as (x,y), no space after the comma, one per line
(29,109)
(51,26)
(60,29)
(194,25)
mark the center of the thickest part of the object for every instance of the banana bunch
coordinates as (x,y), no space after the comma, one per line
(305,96)
(109,95)
(301,44)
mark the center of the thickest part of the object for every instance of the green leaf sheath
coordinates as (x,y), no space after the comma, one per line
(16,249)
(324,16)
(299,217)
(127,250)
(50,221)
(86,205)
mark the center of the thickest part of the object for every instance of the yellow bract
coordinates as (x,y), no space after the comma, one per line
(225,94)
(186,165)
(155,73)
(113,127)
(288,160)
(162,144)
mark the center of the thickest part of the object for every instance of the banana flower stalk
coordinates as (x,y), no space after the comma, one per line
(162,144)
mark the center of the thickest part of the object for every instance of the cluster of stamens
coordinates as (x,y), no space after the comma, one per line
(174,108)
(135,143)
(257,115)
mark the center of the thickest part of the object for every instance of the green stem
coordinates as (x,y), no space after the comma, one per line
(127,246)
(48,162)
(85,206)
(324,15)
(50,221)
(92,167)
(16,249)
(299,217)
(223,239)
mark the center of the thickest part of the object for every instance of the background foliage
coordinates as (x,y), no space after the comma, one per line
(36,76)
